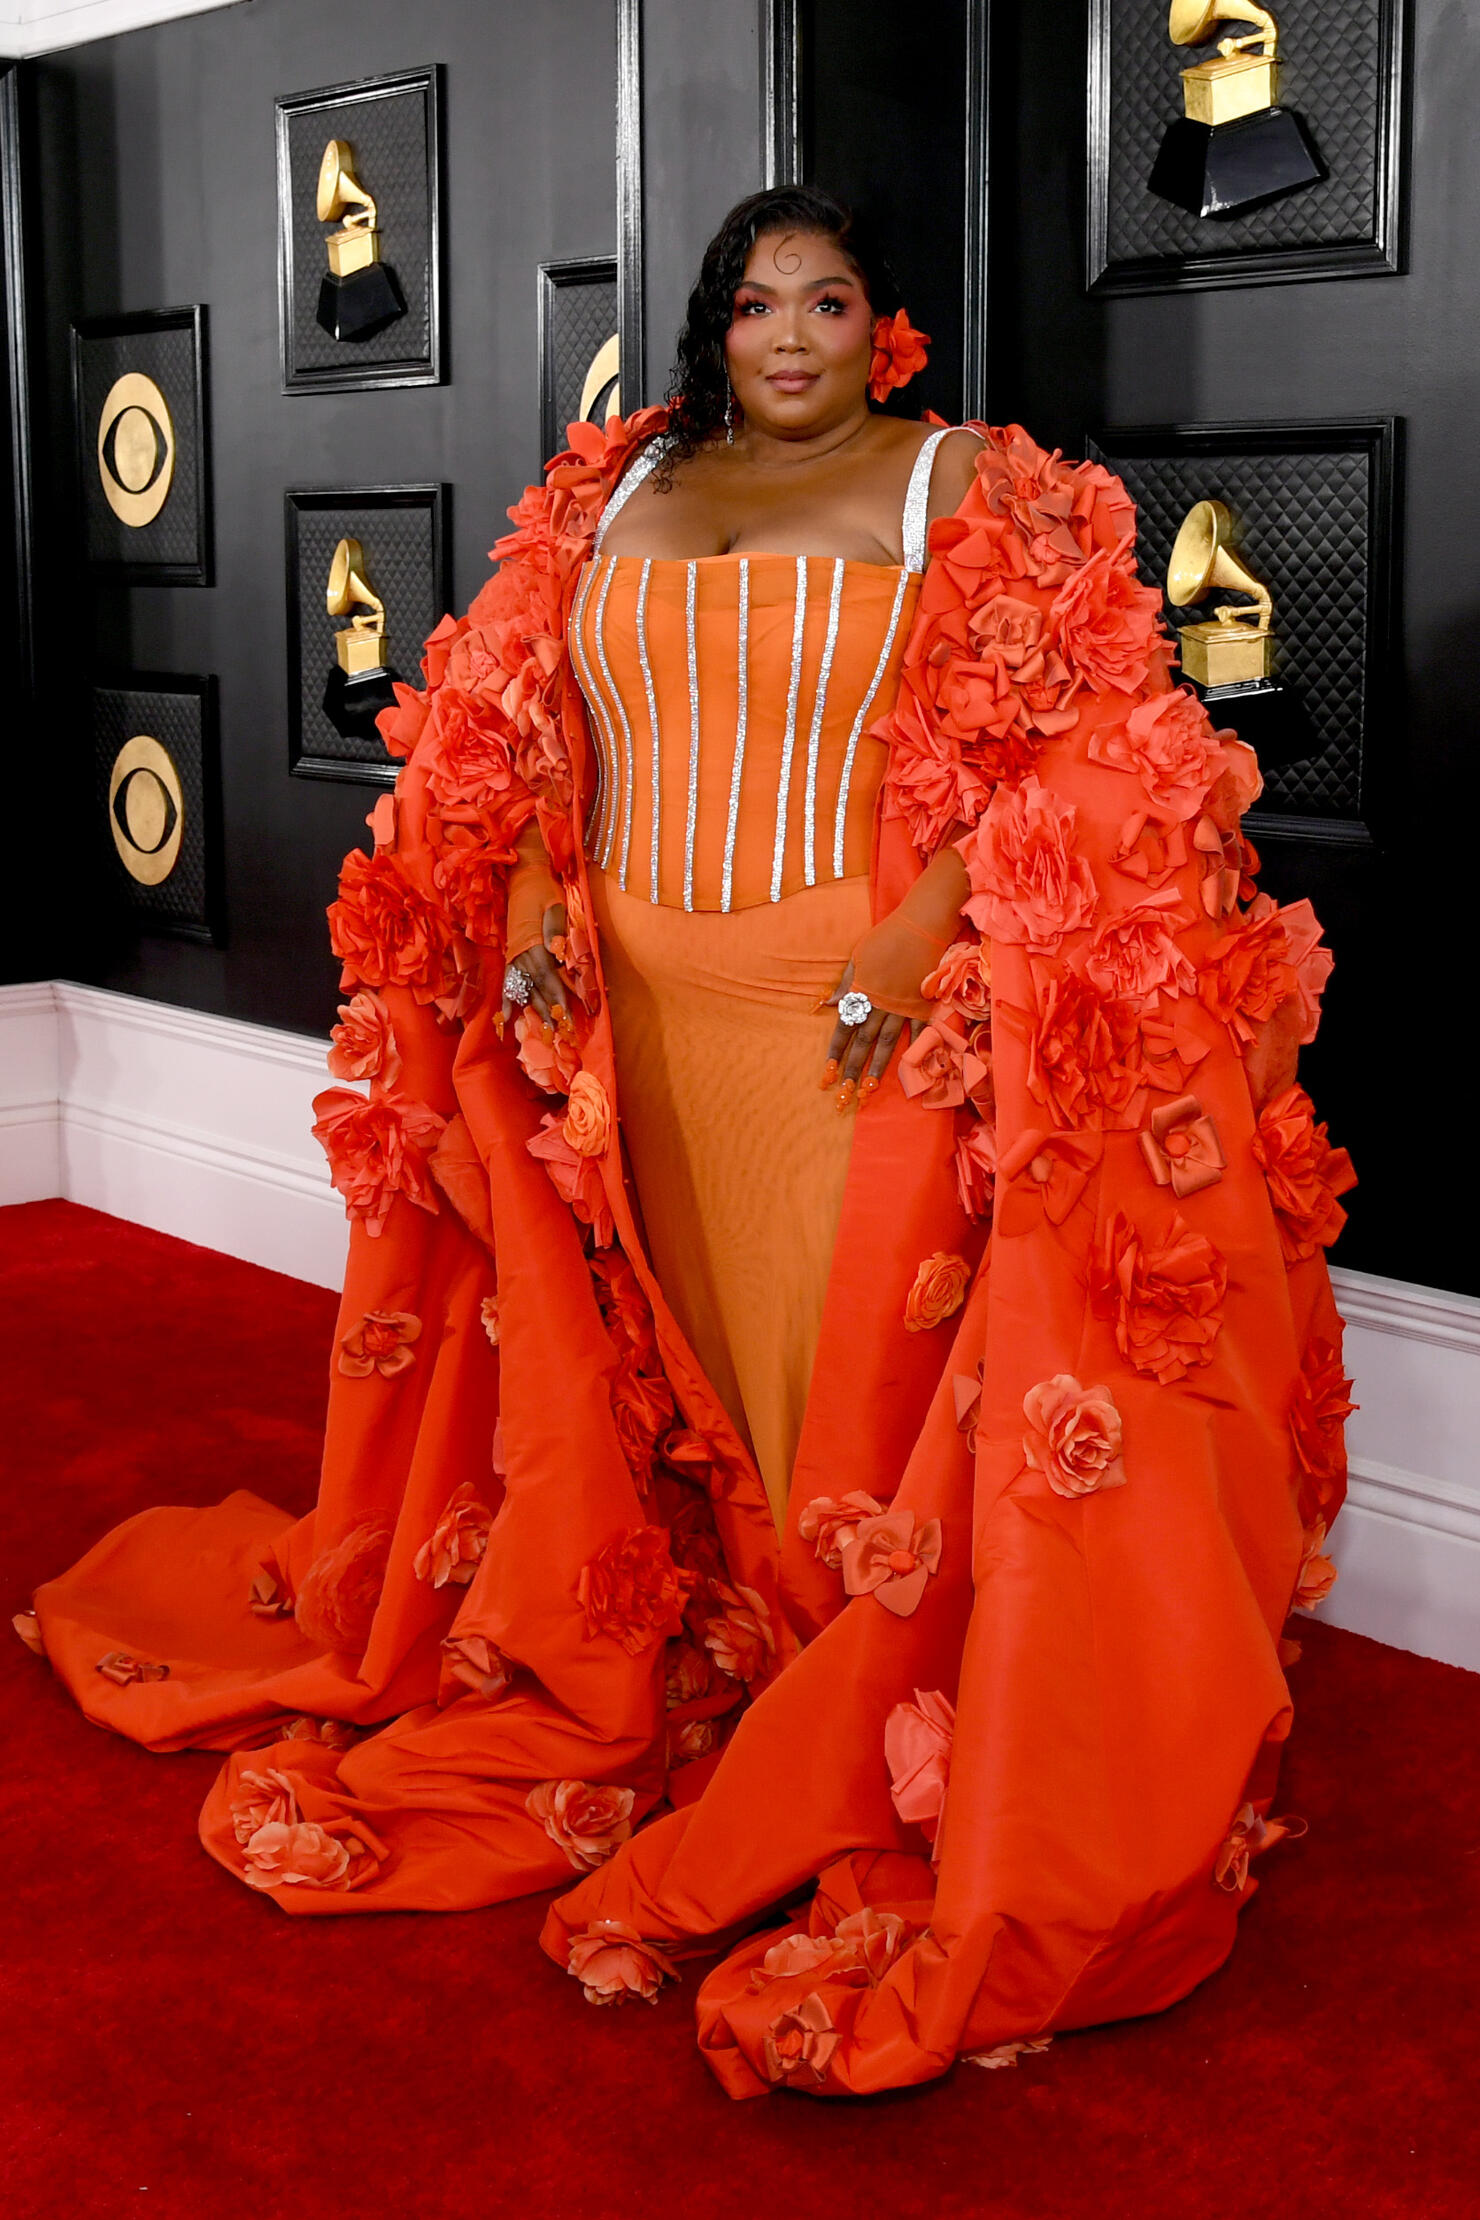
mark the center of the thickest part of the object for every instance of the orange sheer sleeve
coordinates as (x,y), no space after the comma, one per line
(533,889)
(901,950)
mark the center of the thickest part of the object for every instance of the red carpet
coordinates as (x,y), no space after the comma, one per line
(181,2051)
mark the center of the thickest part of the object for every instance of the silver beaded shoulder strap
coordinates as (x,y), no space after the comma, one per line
(917,497)
(631,479)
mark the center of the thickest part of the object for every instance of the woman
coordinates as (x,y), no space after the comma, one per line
(683,1452)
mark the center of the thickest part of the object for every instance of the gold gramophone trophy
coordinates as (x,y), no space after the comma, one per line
(360,682)
(360,294)
(1234,147)
(1230,657)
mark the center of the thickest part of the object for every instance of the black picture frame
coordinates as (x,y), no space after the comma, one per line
(405,353)
(1294,256)
(1366,598)
(560,284)
(176,548)
(190,903)
(323,514)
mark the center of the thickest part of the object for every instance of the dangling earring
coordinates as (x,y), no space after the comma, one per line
(730,418)
(898,352)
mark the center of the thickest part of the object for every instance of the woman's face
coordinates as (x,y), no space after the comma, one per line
(800,341)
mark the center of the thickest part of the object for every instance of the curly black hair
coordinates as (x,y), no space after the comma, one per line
(700,384)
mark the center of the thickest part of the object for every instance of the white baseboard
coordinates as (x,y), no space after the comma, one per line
(199,1126)
(196,1125)
(41,26)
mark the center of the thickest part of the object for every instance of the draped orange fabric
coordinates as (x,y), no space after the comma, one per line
(1003,1701)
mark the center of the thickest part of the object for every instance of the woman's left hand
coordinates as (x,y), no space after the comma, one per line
(859,1054)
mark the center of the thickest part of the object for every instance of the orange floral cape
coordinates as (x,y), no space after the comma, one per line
(1005,1701)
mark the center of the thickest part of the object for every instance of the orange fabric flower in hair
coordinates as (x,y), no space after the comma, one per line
(899,352)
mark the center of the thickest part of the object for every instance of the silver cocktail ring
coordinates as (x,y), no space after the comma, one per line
(516,985)
(855,1008)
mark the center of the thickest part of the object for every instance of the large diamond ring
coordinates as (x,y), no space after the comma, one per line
(855,1008)
(516,985)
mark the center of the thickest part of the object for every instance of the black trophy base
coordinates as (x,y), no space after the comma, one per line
(1268,717)
(1225,169)
(358,306)
(353,704)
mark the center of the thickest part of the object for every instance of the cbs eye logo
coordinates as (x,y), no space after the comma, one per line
(146,810)
(136,449)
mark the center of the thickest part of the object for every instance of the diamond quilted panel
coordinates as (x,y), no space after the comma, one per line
(168,357)
(1307,532)
(399,547)
(1331,66)
(580,320)
(389,135)
(182,903)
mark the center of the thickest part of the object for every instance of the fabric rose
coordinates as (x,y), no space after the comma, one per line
(1317,1575)
(898,353)
(1149,849)
(1106,622)
(930,1070)
(917,1751)
(339,1594)
(891,1557)
(467,750)
(1084,1053)
(1060,511)
(1182,1148)
(739,1636)
(470,874)
(330,1734)
(577,1178)
(1249,1835)
(303,1854)
(796,1957)
(588,1116)
(363,1044)
(687,1675)
(976,1168)
(1310,960)
(1318,1414)
(1028,883)
(380,1343)
(588,1823)
(799,2044)
(126,1671)
(384,932)
(1248,975)
(552,1063)
(830,1523)
(1074,1436)
(613,1964)
(458,1542)
(962,981)
(1304,1173)
(1164,1298)
(632,1590)
(262,1799)
(689,1739)
(1016,645)
(1169,744)
(488,1314)
(473,1660)
(938,1292)
(926,782)
(1134,954)
(378,1148)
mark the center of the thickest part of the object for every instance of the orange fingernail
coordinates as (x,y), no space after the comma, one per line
(866,1088)
(829,1073)
(547,1030)
(846,1093)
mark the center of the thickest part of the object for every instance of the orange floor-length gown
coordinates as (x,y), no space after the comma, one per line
(1006,1685)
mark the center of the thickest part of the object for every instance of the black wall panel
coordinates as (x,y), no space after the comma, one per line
(155,161)
(1400,916)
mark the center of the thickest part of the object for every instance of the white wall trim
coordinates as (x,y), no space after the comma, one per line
(199,1126)
(40,26)
(196,1125)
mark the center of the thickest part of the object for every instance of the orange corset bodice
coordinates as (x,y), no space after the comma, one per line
(729,701)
